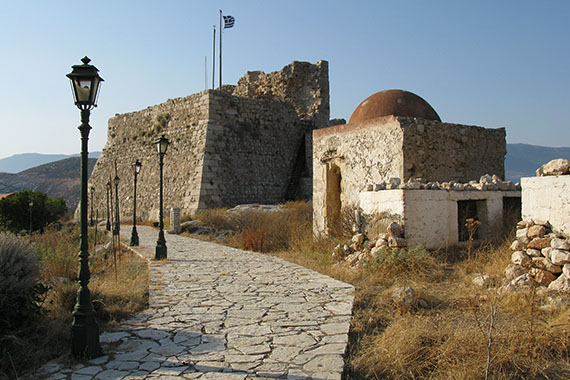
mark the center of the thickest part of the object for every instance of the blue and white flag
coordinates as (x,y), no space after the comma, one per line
(229,22)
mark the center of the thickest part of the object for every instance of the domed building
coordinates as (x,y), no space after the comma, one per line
(396,136)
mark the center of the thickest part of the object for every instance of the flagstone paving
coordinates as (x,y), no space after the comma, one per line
(221,313)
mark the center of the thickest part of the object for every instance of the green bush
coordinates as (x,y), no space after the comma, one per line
(15,211)
(20,289)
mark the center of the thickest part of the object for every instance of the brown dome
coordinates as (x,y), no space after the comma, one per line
(393,102)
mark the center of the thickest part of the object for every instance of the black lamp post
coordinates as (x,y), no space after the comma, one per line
(91,203)
(162,146)
(108,226)
(117,220)
(85,83)
(134,234)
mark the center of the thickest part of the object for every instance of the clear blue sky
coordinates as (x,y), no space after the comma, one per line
(487,63)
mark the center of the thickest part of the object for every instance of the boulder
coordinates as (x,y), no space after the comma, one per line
(558,166)
(397,242)
(394,183)
(405,296)
(522,232)
(559,257)
(561,284)
(516,246)
(395,230)
(542,277)
(533,252)
(536,231)
(559,243)
(523,280)
(512,271)
(546,252)
(377,249)
(524,224)
(545,264)
(566,270)
(538,243)
(481,280)
(357,241)
(520,258)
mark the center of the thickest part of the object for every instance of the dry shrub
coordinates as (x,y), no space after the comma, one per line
(342,228)
(59,252)
(217,218)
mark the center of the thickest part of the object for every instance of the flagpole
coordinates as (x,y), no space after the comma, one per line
(220,49)
(214,58)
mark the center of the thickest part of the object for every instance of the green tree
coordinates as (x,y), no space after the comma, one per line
(15,211)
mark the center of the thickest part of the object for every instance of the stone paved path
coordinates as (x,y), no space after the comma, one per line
(222,313)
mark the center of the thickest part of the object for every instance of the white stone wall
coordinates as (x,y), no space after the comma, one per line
(548,199)
(430,217)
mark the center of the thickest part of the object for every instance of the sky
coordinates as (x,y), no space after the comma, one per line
(487,63)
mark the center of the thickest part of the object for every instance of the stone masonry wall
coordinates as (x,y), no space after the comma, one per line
(251,146)
(304,85)
(443,152)
(226,148)
(131,136)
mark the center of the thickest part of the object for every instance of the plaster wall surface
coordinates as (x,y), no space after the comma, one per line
(547,198)
(430,217)
(365,153)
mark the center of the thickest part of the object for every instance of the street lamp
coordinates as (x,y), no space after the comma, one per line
(162,146)
(85,83)
(108,226)
(134,234)
(92,191)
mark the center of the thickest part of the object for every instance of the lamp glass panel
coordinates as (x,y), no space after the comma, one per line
(83,89)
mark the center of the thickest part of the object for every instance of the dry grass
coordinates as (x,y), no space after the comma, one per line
(112,300)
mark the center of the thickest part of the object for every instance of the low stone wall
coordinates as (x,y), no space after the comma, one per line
(540,258)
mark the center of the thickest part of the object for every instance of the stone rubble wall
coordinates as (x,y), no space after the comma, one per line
(443,151)
(251,147)
(540,257)
(132,136)
(302,84)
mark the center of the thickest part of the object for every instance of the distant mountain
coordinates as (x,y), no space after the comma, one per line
(59,179)
(19,162)
(522,160)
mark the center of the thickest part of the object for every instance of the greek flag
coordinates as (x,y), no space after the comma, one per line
(229,22)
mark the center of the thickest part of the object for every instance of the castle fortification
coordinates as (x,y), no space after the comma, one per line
(249,143)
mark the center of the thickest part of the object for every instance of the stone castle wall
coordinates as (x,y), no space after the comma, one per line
(302,84)
(225,149)
(131,136)
(251,146)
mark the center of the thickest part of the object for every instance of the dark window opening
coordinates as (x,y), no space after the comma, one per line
(466,210)
(511,213)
